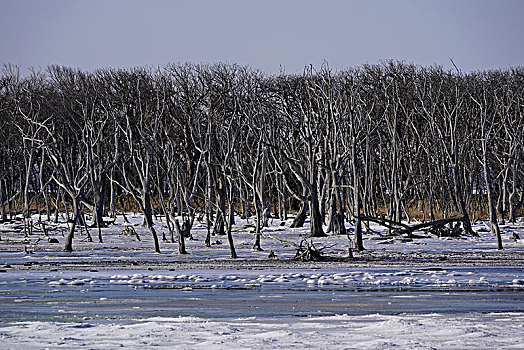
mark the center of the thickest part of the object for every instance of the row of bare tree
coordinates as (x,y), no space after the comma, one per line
(392,140)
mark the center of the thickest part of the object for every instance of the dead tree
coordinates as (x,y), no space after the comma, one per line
(300,153)
(488,129)
(60,136)
(143,103)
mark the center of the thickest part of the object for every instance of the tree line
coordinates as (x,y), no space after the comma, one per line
(385,142)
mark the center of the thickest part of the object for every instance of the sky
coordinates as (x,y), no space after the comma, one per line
(270,35)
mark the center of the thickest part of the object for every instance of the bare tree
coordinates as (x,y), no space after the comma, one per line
(142,105)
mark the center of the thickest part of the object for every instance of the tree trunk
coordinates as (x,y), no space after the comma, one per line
(491,201)
(98,199)
(68,246)
(218,228)
(98,215)
(357,205)
(57,205)
(180,235)
(511,200)
(299,220)
(112,197)
(315,216)
(148,218)
(29,165)
(3,213)
(282,212)
(230,224)
(337,220)
(460,200)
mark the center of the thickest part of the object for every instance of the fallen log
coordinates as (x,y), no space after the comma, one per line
(306,250)
(436,227)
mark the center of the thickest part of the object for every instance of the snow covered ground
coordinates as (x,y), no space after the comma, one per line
(408,293)
(425,331)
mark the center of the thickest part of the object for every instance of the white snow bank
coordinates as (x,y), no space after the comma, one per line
(466,331)
(339,279)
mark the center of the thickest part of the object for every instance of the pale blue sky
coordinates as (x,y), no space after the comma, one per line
(476,34)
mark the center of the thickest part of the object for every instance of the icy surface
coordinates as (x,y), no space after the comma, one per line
(402,292)
(428,331)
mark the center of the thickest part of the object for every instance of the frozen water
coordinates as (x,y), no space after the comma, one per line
(420,293)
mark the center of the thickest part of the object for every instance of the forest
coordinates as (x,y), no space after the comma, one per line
(388,143)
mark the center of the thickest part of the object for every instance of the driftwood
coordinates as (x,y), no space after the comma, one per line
(129,231)
(306,250)
(436,227)
(369,229)
(272,255)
